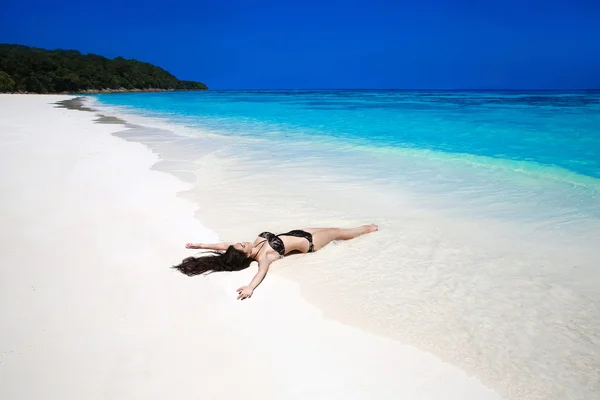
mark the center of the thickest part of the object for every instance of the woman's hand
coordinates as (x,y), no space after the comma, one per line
(193,246)
(245,292)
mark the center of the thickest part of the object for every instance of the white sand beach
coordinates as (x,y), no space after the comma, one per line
(488,267)
(90,309)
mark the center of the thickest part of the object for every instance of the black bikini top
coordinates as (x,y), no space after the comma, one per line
(277,244)
(274,241)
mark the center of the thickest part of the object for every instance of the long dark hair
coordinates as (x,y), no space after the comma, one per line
(230,260)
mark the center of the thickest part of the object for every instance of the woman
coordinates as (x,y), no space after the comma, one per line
(265,249)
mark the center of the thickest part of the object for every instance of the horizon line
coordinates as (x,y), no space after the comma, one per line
(417,89)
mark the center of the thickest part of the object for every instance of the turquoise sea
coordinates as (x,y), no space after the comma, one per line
(547,128)
(488,254)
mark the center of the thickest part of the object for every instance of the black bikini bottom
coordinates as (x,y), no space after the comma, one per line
(302,234)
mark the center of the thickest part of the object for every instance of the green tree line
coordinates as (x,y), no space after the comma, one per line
(30,69)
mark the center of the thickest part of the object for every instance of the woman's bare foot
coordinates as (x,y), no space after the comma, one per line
(371,228)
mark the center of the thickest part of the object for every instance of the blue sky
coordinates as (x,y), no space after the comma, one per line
(267,44)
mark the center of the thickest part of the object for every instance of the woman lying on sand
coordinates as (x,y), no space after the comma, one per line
(238,256)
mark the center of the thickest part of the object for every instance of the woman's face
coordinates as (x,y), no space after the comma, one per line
(245,247)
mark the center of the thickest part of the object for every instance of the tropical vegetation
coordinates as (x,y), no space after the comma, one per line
(30,69)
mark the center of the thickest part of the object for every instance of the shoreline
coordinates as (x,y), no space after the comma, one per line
(100,315)
(105,91)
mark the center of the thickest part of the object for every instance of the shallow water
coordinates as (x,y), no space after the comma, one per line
(488,252)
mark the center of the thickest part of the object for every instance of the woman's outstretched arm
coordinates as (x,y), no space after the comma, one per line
(214,246)
(246,291)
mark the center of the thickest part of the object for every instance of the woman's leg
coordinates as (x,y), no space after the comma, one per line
(324,236)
